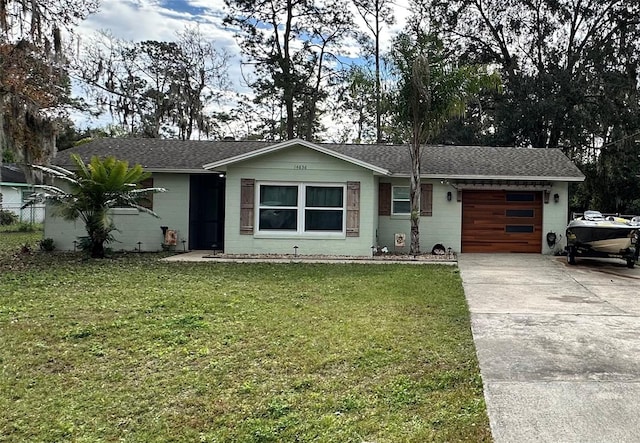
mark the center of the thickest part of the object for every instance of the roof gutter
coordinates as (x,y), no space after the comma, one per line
(495,177)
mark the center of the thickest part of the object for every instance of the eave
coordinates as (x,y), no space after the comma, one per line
(20,185)
(495,177)
(291,143)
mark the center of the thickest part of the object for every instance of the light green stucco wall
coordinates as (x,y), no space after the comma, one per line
(555,217)
(172,207)
(443,227)
(298,164)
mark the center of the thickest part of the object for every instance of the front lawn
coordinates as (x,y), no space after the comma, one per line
(133,349)
(13,237)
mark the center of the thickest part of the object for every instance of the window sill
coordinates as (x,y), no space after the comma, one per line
(124,211)
(298,236)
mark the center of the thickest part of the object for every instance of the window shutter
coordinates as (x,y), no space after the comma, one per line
(247,198)
(353,209)
(426,199)
(384,199)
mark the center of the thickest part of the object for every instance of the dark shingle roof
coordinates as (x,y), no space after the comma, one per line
(438,160)
(160,153)
(12,173)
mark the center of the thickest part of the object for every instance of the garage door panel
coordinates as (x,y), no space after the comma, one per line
(501,221)
(511,246)
(518,222)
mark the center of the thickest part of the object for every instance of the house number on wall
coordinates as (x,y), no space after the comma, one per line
(300,167)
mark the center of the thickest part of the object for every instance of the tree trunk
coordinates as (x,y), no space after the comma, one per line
(378,89)
(97,249)
(97,235)
(2,140)
(414,191)
(288,103)
(311,116)
(288,74)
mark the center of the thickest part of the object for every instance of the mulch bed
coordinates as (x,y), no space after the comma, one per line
(378,257)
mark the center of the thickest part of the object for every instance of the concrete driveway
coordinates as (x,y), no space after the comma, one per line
(558,346)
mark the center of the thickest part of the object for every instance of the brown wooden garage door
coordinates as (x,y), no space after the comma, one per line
(501,221)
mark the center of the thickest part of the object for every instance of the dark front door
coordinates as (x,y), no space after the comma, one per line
(206,212)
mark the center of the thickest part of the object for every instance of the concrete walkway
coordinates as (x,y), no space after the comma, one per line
(558,346)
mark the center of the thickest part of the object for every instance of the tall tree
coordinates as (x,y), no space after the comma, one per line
(70,136)
(431,91)
(155,89)
(546,50)
(376,14)
(34,84)
(571,79)
(288,45)
(357,99)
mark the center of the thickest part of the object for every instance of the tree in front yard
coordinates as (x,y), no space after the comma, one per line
(93,189)
(432,89)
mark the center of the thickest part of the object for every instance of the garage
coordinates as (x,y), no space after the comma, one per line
(501,221)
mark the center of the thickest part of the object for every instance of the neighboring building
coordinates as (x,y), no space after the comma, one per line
(248,197)
(14,193)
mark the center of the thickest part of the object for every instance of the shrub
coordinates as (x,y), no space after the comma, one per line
(25,227)
(84,244)
(47,244)
(7,217)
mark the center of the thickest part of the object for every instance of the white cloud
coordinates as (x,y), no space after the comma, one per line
(130,20)
(138,20)
(150,20)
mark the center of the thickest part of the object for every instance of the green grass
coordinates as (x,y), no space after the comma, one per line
(12,240)
(21,227)
(131,349)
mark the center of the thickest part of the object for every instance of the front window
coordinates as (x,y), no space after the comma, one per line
(324,208)
(401,202)
(301,208)
(278,207)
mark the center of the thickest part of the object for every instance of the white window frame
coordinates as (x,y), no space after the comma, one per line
(301,208)
(400,200)
(25,194)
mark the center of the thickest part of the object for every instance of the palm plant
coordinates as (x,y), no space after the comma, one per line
(92,190)
(431,91)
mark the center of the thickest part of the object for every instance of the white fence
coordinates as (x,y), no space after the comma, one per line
(30,214)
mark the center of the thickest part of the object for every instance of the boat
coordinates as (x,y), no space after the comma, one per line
(594,235)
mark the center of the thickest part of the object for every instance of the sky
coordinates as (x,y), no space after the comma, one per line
(138,20)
